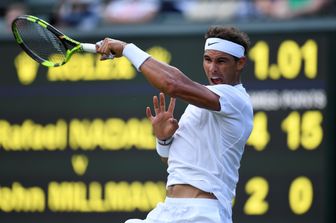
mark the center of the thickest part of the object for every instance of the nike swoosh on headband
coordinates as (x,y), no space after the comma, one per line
(209,44)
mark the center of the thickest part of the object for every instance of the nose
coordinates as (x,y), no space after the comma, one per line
(212,68)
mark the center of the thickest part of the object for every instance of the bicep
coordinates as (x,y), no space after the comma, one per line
(199,95)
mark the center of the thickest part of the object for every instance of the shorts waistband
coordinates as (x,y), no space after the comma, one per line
(192,201)
(187,191)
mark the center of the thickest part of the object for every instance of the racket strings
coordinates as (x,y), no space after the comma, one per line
(41,41)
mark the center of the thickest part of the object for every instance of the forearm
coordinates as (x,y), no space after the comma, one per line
(162,76)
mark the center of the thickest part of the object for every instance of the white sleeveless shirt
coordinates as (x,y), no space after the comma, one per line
(208,145)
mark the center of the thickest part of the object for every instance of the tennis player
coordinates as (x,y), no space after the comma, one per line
(204,148)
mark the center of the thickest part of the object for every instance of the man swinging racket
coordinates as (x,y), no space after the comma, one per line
(203,150)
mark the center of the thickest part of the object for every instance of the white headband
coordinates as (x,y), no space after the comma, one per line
(225,46)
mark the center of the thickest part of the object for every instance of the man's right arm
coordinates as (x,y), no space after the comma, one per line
(175,83)
(166,78)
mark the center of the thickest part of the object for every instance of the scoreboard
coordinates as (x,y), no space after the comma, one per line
(287,158)
(75,144)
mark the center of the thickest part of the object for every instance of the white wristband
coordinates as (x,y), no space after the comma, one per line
(136,55)
(162,147)
(165,142)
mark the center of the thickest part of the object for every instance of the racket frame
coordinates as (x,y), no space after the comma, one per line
(77,46)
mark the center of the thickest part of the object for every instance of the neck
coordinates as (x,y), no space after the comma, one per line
(233,81)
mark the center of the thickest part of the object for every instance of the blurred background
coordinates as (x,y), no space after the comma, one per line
(75,144)
(93,14)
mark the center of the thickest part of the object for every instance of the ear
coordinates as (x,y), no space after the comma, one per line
(241,63)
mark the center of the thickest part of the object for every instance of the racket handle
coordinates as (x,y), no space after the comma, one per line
(88,47)
(91,48)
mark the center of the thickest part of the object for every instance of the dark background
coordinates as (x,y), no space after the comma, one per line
(45,101)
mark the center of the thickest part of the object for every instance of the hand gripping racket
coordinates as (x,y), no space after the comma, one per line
(44,43)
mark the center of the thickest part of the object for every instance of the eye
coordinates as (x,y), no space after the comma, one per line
(207,59)
(222,60)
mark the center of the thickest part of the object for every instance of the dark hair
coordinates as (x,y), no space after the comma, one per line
(229,33)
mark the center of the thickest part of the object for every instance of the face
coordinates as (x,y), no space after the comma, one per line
(222,68)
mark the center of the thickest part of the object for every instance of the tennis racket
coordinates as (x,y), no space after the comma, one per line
(44,43)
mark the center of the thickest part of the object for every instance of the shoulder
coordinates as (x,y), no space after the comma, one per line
(225,90)
(232,98)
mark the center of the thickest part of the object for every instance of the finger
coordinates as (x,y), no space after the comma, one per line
(99,43)
(149,113)
(162,102)
(103,46)
(156,105)
(174,122)
(171,106)
(99,46)
(104,57)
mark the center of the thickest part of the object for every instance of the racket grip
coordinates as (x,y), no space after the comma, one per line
(88,47)
(91,48)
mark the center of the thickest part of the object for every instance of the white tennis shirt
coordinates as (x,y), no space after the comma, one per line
(208,145)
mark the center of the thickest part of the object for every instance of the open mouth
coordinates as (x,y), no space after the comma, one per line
(216,80)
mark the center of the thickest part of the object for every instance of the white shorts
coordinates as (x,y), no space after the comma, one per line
(183,210)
